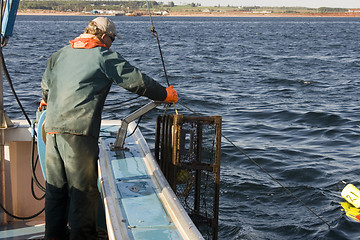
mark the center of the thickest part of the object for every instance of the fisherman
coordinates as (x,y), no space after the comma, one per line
(75,84)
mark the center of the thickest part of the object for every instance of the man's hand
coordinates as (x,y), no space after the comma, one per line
(172,96)
(42,104)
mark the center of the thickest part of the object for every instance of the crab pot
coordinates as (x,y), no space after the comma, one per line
(188,151)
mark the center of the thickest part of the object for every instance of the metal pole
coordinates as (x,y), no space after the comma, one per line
(2,154)
(3,218)
(10,13)
(5,121)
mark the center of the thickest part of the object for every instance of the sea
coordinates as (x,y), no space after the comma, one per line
(288,91)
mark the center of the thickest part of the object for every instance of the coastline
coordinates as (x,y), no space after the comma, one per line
(198,14)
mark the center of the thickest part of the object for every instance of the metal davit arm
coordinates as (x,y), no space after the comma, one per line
(121,135)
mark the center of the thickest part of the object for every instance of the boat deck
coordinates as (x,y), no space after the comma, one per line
(16,230)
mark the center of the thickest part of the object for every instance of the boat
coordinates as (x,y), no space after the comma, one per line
(132,14)
(137,201)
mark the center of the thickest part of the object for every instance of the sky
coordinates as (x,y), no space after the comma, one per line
(276,3)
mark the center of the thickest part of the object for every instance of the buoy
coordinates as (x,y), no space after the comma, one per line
(350,211)
(351,194)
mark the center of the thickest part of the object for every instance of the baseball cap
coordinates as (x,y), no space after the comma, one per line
(106,25)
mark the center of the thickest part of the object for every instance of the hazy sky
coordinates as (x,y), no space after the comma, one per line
(277,3)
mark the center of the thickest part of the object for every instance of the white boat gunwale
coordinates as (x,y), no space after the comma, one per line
(167,197)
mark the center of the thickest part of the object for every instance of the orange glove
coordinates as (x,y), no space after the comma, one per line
(42,104)
(172,96)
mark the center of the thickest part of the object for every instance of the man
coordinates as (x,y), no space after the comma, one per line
(75,84)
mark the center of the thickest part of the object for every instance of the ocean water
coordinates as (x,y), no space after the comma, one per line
(286,88)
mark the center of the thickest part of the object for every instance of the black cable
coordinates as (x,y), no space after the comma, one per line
(7,75)
(137,125)
(28,217)
(161,55)
(154,32)
(33,191)
(21,218)
(2,14)
(33,169)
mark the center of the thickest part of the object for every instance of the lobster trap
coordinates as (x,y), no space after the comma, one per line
(188,151)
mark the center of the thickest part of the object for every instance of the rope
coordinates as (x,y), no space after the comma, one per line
(266,172)
(154,32)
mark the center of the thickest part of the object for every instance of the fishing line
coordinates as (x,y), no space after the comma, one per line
(265,171)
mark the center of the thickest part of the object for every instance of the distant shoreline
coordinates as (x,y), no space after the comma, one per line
(199,14)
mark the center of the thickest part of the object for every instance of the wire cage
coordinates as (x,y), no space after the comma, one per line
(188,150)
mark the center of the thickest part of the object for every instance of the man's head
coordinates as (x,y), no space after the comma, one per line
(103,28)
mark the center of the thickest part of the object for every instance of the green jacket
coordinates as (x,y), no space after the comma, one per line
(77,81)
